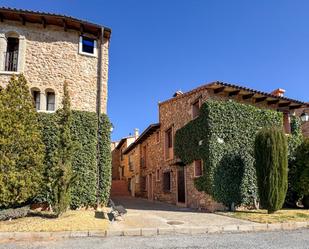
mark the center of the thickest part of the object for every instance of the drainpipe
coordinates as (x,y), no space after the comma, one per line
(99,95)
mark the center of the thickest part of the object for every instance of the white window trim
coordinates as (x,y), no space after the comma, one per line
(202,164)
(80,48)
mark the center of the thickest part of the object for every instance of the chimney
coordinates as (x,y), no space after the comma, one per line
(136,133)
(178,93)
(278,92)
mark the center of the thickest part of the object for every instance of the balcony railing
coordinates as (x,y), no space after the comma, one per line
(11,61)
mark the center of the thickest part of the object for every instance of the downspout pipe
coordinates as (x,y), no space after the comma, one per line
(99,105)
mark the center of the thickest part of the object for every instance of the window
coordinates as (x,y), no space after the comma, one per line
(87,45)
(167,181)
(158,175)
(169,144)
(36,98)
(196,108)
(198,168)
(11,55)
(158,136)
(50,101)
(121,155)
(131,165)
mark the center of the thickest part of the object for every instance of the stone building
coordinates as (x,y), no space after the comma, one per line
(144,163)
(50,49)
(162,177)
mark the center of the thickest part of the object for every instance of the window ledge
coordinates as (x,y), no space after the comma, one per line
(88,54)
(9,72)
(46,111)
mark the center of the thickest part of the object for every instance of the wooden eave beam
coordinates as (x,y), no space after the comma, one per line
(65,26)
(260,99)
(248,96)
(272,102)
(23,19)
(82,29)
(232,93)
(43,21)
(219,89)
(284,104)
(295,107)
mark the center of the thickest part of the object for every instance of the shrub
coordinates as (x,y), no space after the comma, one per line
(301,185)
(64,173)
(84,130)
(105,160)
(14,213)
(22,150)
(224,127)
(271,158)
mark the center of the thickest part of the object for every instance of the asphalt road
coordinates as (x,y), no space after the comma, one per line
(293,239)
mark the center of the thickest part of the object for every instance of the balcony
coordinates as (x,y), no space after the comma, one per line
(11,61)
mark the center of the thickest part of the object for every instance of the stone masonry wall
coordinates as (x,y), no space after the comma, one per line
(50,56)
(176,113)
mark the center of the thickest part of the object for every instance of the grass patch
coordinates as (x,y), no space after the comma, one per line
(69,221)
(261,216)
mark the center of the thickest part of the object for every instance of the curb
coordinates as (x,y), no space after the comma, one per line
(17,236)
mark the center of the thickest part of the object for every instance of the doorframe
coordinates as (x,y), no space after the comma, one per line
(181,204)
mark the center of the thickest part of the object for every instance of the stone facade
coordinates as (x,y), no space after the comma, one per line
(305,125)
(50,56)
(173,115)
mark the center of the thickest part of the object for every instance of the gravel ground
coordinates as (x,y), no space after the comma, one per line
(271,240)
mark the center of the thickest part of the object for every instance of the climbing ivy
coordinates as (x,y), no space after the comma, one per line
(223,137)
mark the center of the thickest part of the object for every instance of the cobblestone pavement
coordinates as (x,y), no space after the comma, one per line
(271,240)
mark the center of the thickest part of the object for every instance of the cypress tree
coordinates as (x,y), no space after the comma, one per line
(64,172)
(21,146)
(271,158)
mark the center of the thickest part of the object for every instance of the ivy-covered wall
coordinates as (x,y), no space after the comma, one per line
(223,137)
(85,165)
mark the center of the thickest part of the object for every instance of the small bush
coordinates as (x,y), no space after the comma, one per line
(271,162)
(14,213)
(301,185)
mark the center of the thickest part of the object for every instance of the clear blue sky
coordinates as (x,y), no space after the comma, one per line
(160,46)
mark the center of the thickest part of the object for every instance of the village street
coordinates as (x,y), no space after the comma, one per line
(271,240)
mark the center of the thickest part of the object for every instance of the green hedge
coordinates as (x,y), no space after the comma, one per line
(84,133)
(227,130)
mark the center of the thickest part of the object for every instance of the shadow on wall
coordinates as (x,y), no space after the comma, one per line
(228,179)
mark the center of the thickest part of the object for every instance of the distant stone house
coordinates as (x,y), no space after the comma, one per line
(160,175)
(50,49)
(121,163)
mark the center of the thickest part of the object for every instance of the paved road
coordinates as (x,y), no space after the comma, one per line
(146,214)
(271,240)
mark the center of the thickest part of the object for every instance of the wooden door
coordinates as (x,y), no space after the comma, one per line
(150,187)
(181,187)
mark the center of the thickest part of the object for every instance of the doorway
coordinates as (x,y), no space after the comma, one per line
(181,187)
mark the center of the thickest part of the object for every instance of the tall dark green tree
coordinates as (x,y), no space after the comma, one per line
(271,156)
(64,172)
(21,146)
(301,184)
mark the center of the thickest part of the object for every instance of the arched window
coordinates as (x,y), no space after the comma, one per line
(11,53)
(50,100)
(36,94)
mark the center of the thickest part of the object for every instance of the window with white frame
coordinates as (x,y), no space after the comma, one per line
(36,98)
(50,101)
(87,46)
